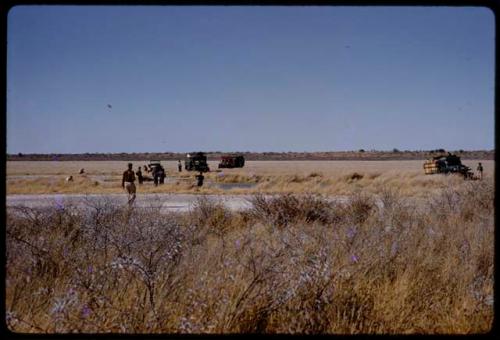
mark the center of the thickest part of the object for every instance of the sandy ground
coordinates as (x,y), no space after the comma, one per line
(167,202)
(106,168)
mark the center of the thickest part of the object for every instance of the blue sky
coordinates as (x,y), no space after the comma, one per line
(249,78)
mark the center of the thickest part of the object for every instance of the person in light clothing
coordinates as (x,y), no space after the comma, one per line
(480,170)
(128,180)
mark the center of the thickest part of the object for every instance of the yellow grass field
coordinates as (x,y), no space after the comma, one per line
(293,264)
(420,263)
(324,177)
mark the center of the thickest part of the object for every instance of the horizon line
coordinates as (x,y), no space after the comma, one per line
(395,150)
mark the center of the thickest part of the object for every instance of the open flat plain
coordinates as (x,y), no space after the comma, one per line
(323,177)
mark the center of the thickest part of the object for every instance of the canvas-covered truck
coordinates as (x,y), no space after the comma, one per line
(446,164)
(232,161)
(196,161)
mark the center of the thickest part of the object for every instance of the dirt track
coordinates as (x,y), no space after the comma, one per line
(166,202)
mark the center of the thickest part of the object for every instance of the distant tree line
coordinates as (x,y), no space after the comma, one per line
(361,154)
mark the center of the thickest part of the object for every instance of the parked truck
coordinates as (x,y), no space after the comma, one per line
(196,161)
(232,161)
(445,164)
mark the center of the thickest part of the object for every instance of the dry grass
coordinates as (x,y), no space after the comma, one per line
(288,265)
(324,177)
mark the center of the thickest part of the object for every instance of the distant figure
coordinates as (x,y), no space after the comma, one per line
(139,175)
(69,179)
(179,165)
(466,175)
(161,175)
(200,179)
(82,171)
(480,170)
(128,183)
(156,175)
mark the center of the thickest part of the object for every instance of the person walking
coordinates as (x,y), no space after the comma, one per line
(179,165)
(128,180)
(139,175)
(480,170)
(200,178)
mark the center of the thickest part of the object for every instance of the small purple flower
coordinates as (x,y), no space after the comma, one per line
(351,232)
(59,202)
(90,270)
(59,306)
(465,245)
(65,251)
(354,259)
(86,311)
(10,317)
(237,243)
(394,248)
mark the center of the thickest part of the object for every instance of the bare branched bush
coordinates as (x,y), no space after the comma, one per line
(286,209)
(212,214)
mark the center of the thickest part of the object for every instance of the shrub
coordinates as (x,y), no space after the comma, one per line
(360,207)
(210,213)
(289,208)
(354,177)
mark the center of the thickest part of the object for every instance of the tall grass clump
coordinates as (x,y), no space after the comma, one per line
(289,264)
(285,209)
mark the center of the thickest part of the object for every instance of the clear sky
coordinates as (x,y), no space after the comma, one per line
(251,78)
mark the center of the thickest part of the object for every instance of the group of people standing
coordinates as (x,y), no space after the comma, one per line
(157,172)
(129,177)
